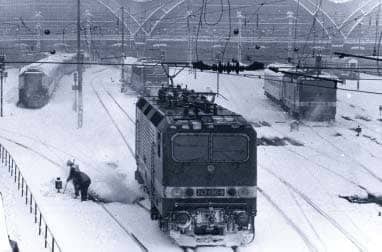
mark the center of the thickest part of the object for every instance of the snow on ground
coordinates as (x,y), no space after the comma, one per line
(19,221)
(298,205)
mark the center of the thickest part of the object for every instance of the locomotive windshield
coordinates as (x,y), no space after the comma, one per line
(210,148)
(229,148)
(190,148)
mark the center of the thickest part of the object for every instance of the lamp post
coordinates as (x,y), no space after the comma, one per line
(290,16)
(123,88)
(79,67)
(64,29)
(38,16)
(240,17)
(88,29)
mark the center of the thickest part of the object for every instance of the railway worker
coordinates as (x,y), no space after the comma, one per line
(358,130)
(294,126)
(81,182)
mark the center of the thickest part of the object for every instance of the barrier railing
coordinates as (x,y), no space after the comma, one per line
(25,192)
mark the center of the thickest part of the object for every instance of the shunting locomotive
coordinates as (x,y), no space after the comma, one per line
(197,161)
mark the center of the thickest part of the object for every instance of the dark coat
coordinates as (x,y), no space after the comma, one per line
(79,178)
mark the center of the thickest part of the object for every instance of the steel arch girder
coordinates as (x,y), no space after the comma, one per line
(364,14)
(316,9)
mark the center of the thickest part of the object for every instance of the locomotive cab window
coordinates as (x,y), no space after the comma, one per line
(210,148)
(229,148)
(190,148)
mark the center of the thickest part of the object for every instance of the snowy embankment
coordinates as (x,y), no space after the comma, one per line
(299,182)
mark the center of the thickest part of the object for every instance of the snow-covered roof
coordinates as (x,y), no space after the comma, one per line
(141,61)
(4,241)
(49,68)
(130,60)
(279,66)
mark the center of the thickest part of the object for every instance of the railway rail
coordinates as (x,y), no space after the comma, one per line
(309,244)
(366,169)
(131,150)
(321,212)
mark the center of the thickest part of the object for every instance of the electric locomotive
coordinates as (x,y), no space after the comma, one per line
(197,161)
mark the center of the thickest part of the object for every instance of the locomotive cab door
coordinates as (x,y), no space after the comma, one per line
(153,195)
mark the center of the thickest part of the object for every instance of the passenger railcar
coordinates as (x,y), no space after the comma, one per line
(272,82)
(38,81)
(197,161)
(145,76)
(305,96)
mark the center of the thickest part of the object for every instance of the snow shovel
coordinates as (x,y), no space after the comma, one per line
(66,184)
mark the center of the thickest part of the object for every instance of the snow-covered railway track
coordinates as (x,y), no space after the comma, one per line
(321,212)
(290,222)
(366,169)
(131,150)
(333,172)
(120,107)
(126,230)
(42,155)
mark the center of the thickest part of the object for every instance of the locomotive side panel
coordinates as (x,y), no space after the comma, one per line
(148,148)
(273,85)
(291,98)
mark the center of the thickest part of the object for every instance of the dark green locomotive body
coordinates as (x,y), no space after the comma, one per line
(198,164)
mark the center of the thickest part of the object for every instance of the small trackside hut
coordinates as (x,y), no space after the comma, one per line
(197,161)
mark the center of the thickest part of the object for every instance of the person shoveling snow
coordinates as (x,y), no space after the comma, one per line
(81,180)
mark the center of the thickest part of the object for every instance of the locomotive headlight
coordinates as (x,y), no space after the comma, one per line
(177,192)
(244,192)
(182,219)
(232,192)
(189,192)
(242,219)
(196,125)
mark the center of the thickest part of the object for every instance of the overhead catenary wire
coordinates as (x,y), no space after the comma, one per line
(259,76)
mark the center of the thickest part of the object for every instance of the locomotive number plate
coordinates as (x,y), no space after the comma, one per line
(213,192)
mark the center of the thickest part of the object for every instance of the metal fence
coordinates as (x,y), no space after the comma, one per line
(25,192)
